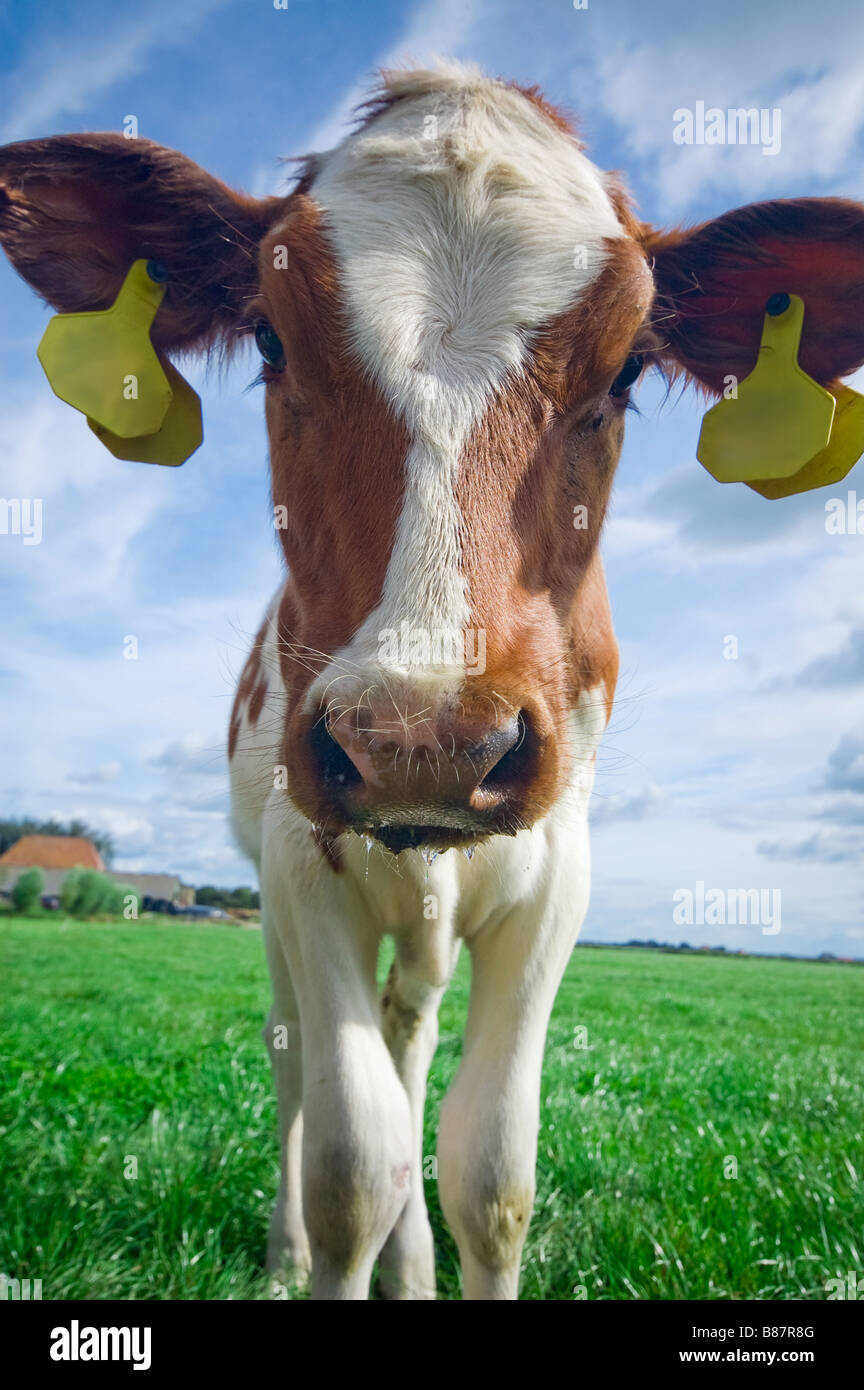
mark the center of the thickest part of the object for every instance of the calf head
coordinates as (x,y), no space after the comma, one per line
(452,308)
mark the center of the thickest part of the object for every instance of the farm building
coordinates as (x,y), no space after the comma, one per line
(161,887)
(55,855)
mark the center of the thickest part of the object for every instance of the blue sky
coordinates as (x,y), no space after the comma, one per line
(744,773)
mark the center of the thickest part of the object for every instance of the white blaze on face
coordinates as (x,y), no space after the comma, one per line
(462,220)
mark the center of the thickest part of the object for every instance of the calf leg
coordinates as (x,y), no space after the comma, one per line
(288,1243)
(356,1116)
(487,1142)
(409,1013)
(356,1145)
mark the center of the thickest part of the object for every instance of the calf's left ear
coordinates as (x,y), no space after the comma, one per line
(713,283)
(77,210)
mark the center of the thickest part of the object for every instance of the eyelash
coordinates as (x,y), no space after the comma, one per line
(264,375)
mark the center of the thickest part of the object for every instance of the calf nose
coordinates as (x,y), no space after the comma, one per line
(418,780)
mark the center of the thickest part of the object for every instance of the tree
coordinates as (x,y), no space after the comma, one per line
(208,896)
(245,897)
(83,892)
(95,894)
(87,893)
(70,891)
(27,892)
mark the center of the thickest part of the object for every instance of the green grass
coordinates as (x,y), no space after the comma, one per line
(141,1042)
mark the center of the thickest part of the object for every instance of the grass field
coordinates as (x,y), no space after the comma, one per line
(139,1045)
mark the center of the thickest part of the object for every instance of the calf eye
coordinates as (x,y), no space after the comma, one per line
(627,375)
(270,346)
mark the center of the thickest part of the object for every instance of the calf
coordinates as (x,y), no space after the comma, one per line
(452,307)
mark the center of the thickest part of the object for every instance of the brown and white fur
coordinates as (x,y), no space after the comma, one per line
(456,289)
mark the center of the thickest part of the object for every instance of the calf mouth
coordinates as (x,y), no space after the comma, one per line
(397,838)
(436,838)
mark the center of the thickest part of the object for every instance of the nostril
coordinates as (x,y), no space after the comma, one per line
(335,768)
(515,769)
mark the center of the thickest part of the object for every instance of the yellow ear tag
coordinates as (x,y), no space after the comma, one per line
(781,416)
(180,435)
(832,463)
(104,364)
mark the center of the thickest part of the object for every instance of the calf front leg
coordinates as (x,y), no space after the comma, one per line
(487,1141)
(409,1012)
(356,1158)
(287,1243)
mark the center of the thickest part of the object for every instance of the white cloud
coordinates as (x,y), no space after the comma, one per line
(193,755)
(130,832)
(827,849)
(626,806)
(54,83)
(639,72)
(105,772)
(84,553)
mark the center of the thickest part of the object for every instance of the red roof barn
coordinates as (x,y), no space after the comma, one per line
(52,852)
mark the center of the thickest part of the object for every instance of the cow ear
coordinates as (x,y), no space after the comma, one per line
(714,280)
(77,210)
